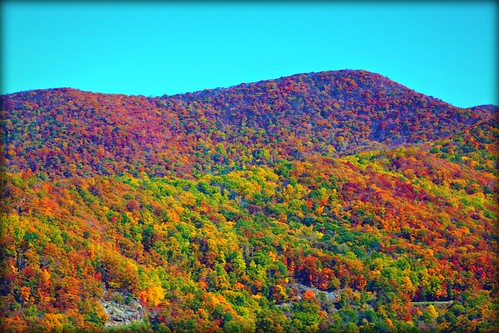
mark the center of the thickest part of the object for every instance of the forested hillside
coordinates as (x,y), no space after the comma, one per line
(66,132)
(333,201)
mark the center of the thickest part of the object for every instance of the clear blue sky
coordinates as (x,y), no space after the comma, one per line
(447,50)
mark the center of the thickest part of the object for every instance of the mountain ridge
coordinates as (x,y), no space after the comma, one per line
(243,84)
(328,113)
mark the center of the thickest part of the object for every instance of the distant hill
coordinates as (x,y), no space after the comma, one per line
(67,132)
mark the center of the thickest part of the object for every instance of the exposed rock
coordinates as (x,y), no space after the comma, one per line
(330,296)
(122,310)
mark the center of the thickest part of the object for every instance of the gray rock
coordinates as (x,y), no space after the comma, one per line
(120,314)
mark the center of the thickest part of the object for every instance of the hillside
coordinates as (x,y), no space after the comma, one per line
(66,132)
(334,201)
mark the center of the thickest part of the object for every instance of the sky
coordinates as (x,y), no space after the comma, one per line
(446,50)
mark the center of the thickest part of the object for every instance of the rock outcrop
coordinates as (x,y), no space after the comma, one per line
(121,312)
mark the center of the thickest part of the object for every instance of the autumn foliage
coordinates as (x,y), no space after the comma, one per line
(334,201)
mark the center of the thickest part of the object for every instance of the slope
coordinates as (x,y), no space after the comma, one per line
(66,132)
(389,233)
(329,201)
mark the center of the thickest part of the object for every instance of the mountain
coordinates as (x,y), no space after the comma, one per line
(66,132)
(332,201)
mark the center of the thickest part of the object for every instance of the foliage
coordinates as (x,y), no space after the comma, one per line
(326,202)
